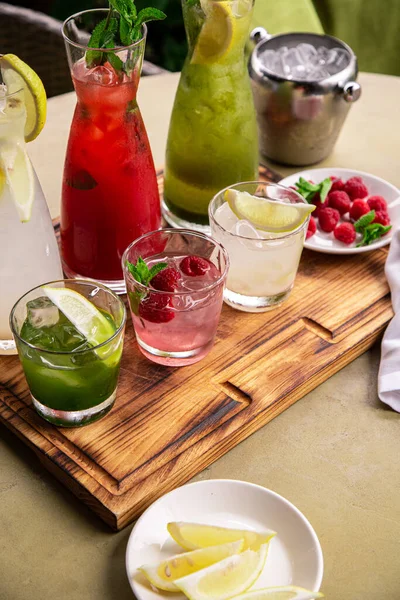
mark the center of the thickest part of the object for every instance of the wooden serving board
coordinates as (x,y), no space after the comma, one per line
(170,423)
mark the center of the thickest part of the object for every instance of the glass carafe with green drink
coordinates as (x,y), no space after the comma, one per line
(212,141)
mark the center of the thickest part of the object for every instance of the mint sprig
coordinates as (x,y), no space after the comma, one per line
(122,27)
(369,230)
(308,190)
(141,271)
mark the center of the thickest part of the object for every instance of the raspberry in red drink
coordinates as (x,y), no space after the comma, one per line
(175,295)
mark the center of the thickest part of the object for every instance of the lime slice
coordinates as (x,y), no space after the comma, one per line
(82,313)
(17,171)
(216,37)
(225,579)
(195,535)
(164,573)
(286,592)
(266,214)
(18,75)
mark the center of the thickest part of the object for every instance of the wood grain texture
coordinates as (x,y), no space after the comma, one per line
(170,423)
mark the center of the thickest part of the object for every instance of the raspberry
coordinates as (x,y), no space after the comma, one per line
(166,280)
(355,188)
(340,201)
(328,219)
(358,209)
(155,309)
(337,185)
(319,205)
(382,217)
(377,203)
(194,266)
(312,228)
(345,233)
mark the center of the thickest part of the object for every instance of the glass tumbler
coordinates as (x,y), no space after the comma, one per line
(69,387)
(263,265)
(175,324)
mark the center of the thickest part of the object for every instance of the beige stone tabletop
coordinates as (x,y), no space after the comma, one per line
(334,454)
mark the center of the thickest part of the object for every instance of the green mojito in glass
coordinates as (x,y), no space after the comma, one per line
(212,141)
(69,336)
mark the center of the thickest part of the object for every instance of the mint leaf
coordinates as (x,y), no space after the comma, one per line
(144,16)
(364,221)
(103,36)
(308,190)
(126,8)
(114,60)
(307,185)
(373,232)
(156,269)
(94,58)
(141,271)
(125,32)
(325,187)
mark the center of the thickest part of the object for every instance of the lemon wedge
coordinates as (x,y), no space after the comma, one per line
(18,75)
(226,578)
(195,535)
(16,169)
(286,592)
(268,215)
(216,36)
(83,314)
(166,572)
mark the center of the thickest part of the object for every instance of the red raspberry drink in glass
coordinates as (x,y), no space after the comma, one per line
(175,314)
(110,194)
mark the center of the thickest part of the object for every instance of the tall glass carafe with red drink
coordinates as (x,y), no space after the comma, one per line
(110,194)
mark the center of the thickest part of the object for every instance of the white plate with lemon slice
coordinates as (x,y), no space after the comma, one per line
(293,556)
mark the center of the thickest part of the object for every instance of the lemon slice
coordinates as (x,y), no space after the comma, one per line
(286,592)
(18,75)
(266,214)
(217,34)
(17,171)
(225,579)
(84,315)
(195,535)
(164,574)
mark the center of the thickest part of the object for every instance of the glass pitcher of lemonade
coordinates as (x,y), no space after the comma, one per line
(29,252)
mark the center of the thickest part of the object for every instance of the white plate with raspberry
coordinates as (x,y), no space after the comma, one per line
(336,226)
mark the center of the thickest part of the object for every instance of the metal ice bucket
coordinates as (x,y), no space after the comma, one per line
(299,121)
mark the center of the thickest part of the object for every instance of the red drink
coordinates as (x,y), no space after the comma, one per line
(110,195)
(176,314)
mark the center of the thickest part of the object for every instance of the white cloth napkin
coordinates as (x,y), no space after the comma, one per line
(389,370)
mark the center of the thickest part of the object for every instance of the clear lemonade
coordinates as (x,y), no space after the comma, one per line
(29,248)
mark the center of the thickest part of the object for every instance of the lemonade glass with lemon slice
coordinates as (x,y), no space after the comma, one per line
(262,226)
(212,140)
(28,244)
(69,336)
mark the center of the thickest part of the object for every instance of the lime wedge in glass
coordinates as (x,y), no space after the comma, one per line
(268,215)
(83,314)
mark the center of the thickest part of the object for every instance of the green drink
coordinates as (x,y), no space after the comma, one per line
(212,141)
(69,337)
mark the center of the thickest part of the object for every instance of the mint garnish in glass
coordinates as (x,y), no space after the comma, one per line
(122,27)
